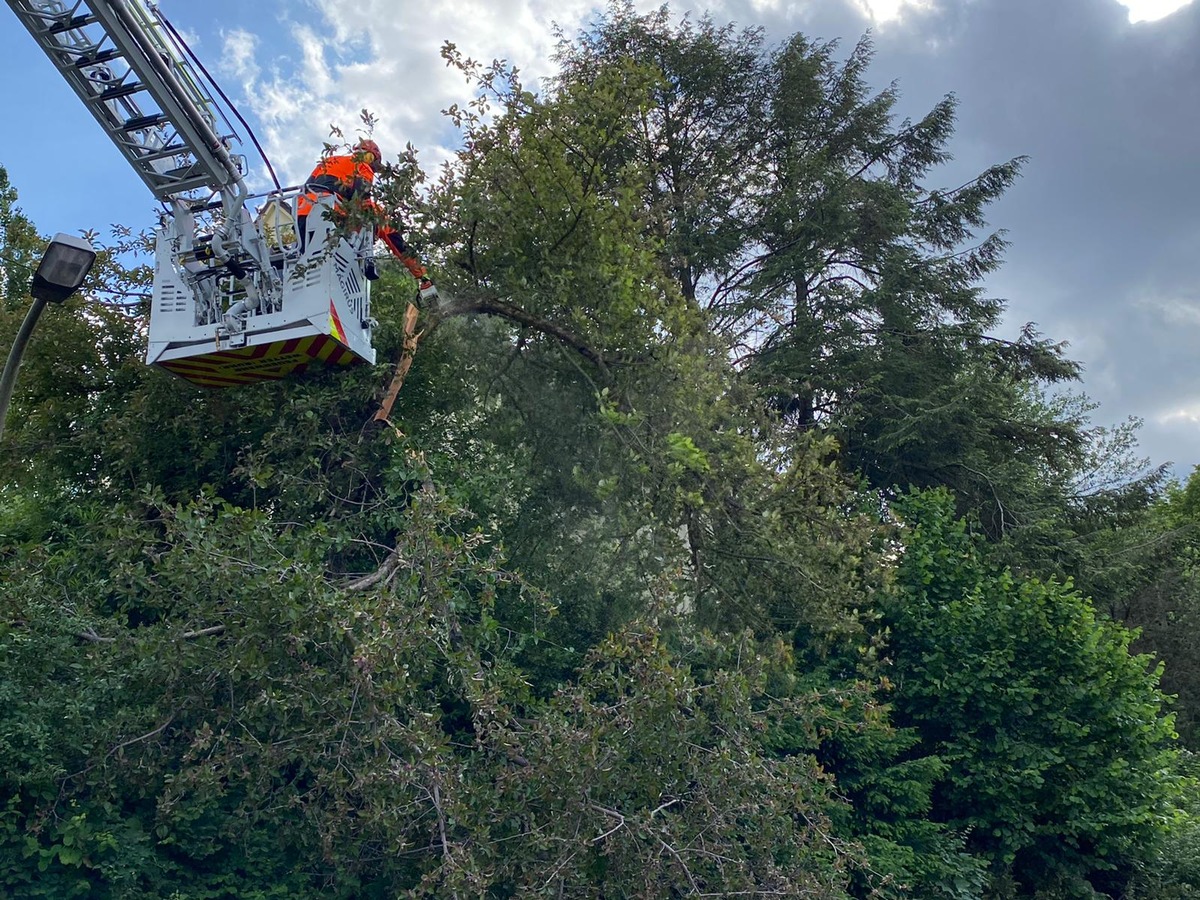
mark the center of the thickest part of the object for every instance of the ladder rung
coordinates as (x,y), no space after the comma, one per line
(102,57)
(185,172)
(140,122)
(164,152)
(71,24)
(121,90)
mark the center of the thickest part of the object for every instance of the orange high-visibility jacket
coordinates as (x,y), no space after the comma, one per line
(337,175)
(348,179)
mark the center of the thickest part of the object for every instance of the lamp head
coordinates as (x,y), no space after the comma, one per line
(64,266)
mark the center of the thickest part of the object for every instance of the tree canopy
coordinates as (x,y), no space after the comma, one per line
(714,545)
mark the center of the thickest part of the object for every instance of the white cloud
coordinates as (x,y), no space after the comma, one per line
(882,11)
(1177,312)
(1183,415)
(365,55)
(238,57)
(1152,10)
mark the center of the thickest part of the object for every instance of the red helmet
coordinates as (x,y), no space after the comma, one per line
(368,146)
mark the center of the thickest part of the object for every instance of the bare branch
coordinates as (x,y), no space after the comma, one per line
(514,313)
(91,636)
(384,572)
(145,737)
(611,813)
(682,865)
(436,796)
(203,632)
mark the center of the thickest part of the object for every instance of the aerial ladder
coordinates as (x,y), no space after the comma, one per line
(239,295)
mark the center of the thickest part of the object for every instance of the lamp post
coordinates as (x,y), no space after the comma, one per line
(64,265)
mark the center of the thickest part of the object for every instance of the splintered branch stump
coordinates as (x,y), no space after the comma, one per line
(411,337)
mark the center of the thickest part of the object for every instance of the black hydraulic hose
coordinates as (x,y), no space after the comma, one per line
(216,87)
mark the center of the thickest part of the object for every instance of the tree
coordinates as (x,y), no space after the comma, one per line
(1149,582)
(545,230)
(286,657)
(600,609)
(228,716)
(1028,698)
(795,212)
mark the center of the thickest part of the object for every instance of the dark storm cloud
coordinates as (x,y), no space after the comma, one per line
(1105,223)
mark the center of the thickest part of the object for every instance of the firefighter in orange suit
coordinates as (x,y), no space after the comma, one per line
(349,177)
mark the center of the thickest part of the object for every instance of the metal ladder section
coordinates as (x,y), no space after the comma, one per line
(124,63)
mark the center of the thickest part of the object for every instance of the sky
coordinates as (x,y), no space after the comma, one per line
(1103,97)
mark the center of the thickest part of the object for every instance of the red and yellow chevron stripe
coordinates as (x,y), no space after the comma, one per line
(335,325)
(266,362)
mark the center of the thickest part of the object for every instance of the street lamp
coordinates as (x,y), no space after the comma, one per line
(65,264)
(60,274)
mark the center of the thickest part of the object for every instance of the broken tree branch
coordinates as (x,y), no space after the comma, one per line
(411,337)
